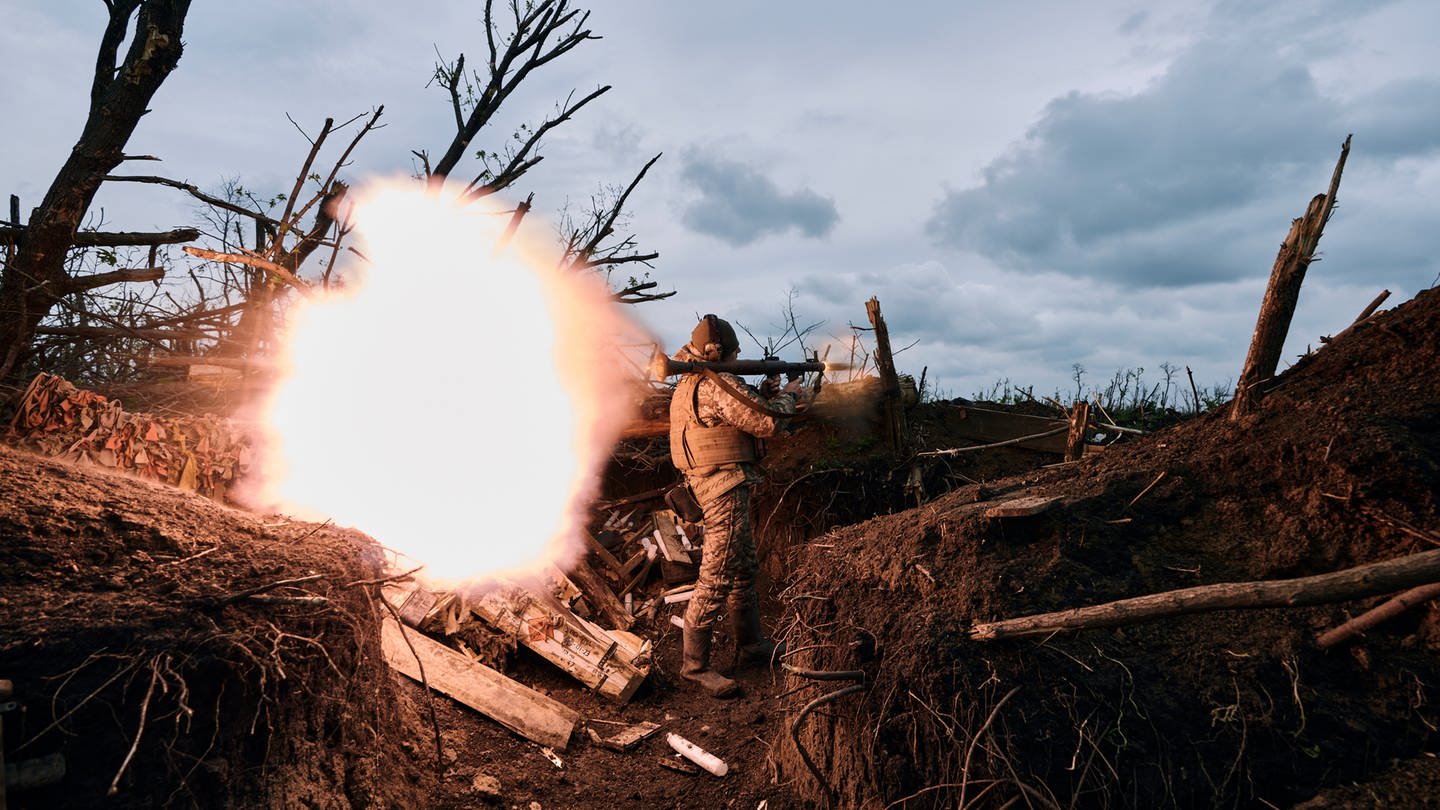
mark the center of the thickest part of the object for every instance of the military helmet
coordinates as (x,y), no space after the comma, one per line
(713,338)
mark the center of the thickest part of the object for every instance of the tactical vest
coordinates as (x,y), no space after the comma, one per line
(693,446)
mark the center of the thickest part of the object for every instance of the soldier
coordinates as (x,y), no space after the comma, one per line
(714,421)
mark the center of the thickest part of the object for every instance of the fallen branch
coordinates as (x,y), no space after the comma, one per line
(1375,616)
(1374,579)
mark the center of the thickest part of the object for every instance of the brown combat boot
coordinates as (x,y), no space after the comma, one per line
(751,645)
(696,664)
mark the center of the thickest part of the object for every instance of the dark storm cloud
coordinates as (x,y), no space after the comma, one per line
(739,205)
(1192,180)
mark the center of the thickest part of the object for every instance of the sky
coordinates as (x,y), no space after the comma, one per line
(1025,186)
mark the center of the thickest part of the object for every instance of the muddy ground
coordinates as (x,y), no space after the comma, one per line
(137,655)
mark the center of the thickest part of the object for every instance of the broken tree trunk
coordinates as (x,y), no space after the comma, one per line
(889,380)
(509,703)
(1353,583)
(1375,616)
(1079,421)
(1282,294)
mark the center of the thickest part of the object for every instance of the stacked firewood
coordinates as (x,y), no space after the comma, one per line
(204,454)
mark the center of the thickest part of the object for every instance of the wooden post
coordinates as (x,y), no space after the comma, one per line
(1282,294)
(1079,421)
(889,380)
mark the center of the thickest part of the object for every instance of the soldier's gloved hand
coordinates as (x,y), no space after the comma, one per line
(770,387)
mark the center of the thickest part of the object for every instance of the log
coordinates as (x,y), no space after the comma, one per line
(1359,582)
(1282,294)
(1375,616)
(513,705)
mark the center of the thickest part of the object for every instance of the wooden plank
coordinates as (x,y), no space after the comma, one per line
(984,425)
(601,553)
(599,596)
(513,705)
(668,537)
(1021,507)
(605,663)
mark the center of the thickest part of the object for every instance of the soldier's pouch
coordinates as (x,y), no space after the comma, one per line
(724,478)
(682,500)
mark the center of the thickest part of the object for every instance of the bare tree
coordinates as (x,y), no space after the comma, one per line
(529,36)
(36,277)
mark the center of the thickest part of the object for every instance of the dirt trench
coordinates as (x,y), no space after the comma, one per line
(122,610)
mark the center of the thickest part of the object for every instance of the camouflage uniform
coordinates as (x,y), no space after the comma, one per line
(728,566)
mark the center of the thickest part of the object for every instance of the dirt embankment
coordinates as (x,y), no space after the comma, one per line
(137,656)
(1234,708)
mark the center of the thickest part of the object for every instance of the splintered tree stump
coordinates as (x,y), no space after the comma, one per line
(1282,294)
(898,432)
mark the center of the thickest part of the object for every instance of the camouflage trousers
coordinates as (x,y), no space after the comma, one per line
(728,566)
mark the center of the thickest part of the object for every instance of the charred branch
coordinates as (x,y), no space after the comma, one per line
(95,280)
(635,293)
(90,239)
(521,160)
(195,192)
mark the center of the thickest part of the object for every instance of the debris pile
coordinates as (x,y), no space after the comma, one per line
(580,619)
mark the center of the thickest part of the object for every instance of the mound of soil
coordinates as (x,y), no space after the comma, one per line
(156,649)
(1339,467)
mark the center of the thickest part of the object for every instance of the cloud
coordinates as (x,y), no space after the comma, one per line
(739,205)
(1191,180)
